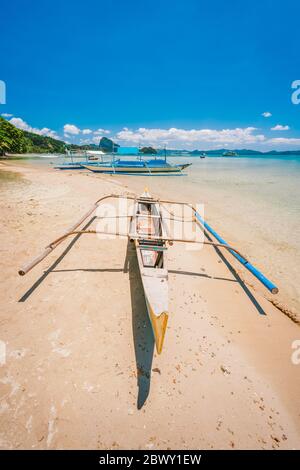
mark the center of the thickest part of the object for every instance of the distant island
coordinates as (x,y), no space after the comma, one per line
(17,141)
(243,152)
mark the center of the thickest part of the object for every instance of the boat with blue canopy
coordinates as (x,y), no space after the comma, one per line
(126,161)
(152,166)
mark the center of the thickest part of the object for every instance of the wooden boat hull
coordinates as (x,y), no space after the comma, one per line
(157,299)
(76,166)
(139,170)
(159,326)
(73,166)
(152,261)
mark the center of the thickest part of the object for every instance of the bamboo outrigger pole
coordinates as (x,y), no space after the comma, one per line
(27,267)
(256,273)
(221,242)
(265,281)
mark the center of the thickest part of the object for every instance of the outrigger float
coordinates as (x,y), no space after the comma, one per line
(149,232)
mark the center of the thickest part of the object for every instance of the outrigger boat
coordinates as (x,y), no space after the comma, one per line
(76,161)
(137,167)
(147,230)
(150,234)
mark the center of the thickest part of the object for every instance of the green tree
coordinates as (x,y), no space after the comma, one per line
(11,139)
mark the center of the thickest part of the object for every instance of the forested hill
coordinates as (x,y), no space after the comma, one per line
(13,140)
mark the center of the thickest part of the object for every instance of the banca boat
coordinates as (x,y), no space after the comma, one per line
(149,232)
(137,167)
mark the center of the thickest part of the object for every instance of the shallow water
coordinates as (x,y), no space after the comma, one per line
(8,177)
(254,203)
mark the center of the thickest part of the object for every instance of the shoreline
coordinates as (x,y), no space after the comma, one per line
(79,344)
(262,229)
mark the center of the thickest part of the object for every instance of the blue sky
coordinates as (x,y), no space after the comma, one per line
(188,74)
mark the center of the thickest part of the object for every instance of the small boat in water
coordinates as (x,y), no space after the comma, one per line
(69,166)
(230,153)
(77,160)
(149,231)
(137,167)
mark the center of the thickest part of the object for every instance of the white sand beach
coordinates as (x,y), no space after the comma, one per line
(81,370)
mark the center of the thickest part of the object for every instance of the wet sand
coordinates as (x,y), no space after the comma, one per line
(81,370)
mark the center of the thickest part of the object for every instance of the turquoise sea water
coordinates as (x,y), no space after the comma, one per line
(254,203)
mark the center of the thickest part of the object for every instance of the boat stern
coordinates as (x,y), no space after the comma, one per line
(159,326)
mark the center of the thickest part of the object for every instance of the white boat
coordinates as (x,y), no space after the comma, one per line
(155,166)
(147,230)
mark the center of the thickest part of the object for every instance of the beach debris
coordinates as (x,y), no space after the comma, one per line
(225,370)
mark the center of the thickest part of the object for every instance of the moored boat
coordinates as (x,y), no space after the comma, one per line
(76,161)
(230,153)
(141,167)
(149,232)
(69,166)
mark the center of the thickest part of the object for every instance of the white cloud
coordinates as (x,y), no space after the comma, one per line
(6,115)
(191,137)
(267,114)
(21,124)
(172,137)
(279,127)
(284,141)
(71,129)
(48,132)
(91,140)
(102,131)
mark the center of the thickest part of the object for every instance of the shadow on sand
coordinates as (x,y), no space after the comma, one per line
(141,327)
(53,265)
(230,267)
